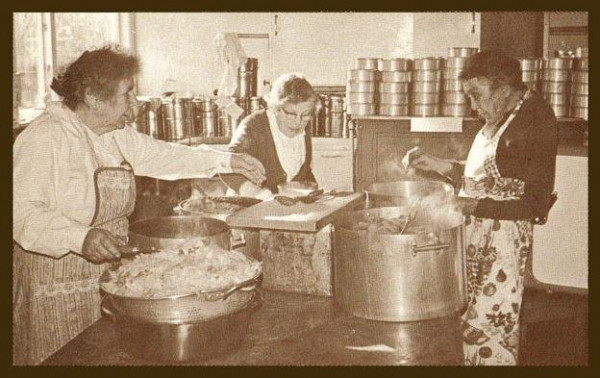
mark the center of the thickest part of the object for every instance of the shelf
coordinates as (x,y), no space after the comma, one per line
(569,30)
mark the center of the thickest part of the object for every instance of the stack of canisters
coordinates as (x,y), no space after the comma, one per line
(426,87)
(531,72)
(454,101)
(393,88)
(580,87)
(329,120)
(361,97)
(556,84)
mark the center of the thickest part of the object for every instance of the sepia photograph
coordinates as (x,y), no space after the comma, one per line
(275,188)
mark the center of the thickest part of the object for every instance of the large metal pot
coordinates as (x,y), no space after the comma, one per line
(403,193)
(182,341)
(402,277)
(171,231)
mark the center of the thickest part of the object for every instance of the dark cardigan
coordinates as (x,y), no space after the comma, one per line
(527,151)
(253,136)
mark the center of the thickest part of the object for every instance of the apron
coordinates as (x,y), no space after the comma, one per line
(54,300)
(496,254)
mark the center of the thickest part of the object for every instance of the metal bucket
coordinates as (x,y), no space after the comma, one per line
(404,277)
(188,341)
(403,193)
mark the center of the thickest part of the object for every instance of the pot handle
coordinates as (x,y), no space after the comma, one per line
(107,308)
(222,295)
(428,248)
(238,243)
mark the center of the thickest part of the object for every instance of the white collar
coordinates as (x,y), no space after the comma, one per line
(275,127)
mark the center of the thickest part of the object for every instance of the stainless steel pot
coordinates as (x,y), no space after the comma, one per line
(403,193)
(187,341)
(171,231)
(404,277)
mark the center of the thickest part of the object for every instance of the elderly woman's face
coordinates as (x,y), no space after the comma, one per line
(293,118)
(118,109)
(490,103)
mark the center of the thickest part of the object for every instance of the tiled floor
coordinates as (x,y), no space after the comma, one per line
(554,329)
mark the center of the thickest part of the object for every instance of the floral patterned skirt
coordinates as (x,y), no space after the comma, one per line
(497,252)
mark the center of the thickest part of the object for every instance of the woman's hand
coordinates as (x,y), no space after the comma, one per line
(100,245)
(248,166)
(416,158)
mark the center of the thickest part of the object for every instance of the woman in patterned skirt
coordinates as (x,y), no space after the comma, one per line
(506,186)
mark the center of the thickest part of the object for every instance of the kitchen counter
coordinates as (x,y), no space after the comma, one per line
(296,329)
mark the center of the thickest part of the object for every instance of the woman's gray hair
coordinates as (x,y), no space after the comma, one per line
(99,70)
(497,67)
(291,88)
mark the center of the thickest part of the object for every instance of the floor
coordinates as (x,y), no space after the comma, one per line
(554,329)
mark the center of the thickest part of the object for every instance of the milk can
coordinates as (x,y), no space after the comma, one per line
(247,78)
(337,117)
(256,103)
(209,117)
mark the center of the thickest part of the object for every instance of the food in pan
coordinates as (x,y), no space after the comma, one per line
(179,272)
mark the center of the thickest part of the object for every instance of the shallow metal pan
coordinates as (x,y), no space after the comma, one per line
(555,87)
(464,52)
(427,64)
(393,110)
(427,75)
(451,73)
(396,76)
(399,87)
(454,98)
(361,97)
(579,101)
(581,77)
(452,85)
(362,109)
(426,86)
(580,88)
(455,62)
(455,110)
(579,112)
(560,111)
(419,110)
(556,98)
(362,75)
(361,86)
(366,63)
(424,98)
(394,98)
(398,64)
(531,75)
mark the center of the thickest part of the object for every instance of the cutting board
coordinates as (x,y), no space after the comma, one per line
(299,217)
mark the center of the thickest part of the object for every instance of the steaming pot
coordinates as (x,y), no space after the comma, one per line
(403,193)
(400,277)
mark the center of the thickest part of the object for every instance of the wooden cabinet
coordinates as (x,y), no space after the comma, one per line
(332,162)
(382,142)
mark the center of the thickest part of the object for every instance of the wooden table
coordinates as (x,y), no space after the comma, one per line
(296,330)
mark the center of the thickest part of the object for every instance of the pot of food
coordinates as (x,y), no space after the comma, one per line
(183,341)
(404,193)
(181,285)
(388,269)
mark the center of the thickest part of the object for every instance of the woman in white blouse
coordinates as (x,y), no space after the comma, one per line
(73,188)
(277,136)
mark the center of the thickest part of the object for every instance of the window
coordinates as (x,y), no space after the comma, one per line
(43,43)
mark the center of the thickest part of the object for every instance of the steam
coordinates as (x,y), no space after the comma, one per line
(393,168)
(437,210)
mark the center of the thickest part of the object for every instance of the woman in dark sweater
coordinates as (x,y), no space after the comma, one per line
(506,185)
(277,136)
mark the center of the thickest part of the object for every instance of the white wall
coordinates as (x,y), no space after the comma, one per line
(434,33)
(178,53)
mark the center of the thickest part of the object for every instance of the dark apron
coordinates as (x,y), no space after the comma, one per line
(56,299)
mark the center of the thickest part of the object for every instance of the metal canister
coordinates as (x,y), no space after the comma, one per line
(167,109)
(184,116)
(154,118)
(141,121)
(248,78)
(197,103)
(209,117)
(337,116)
(256,103)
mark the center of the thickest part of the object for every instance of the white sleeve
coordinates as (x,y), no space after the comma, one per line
(37,223)
(170,161)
